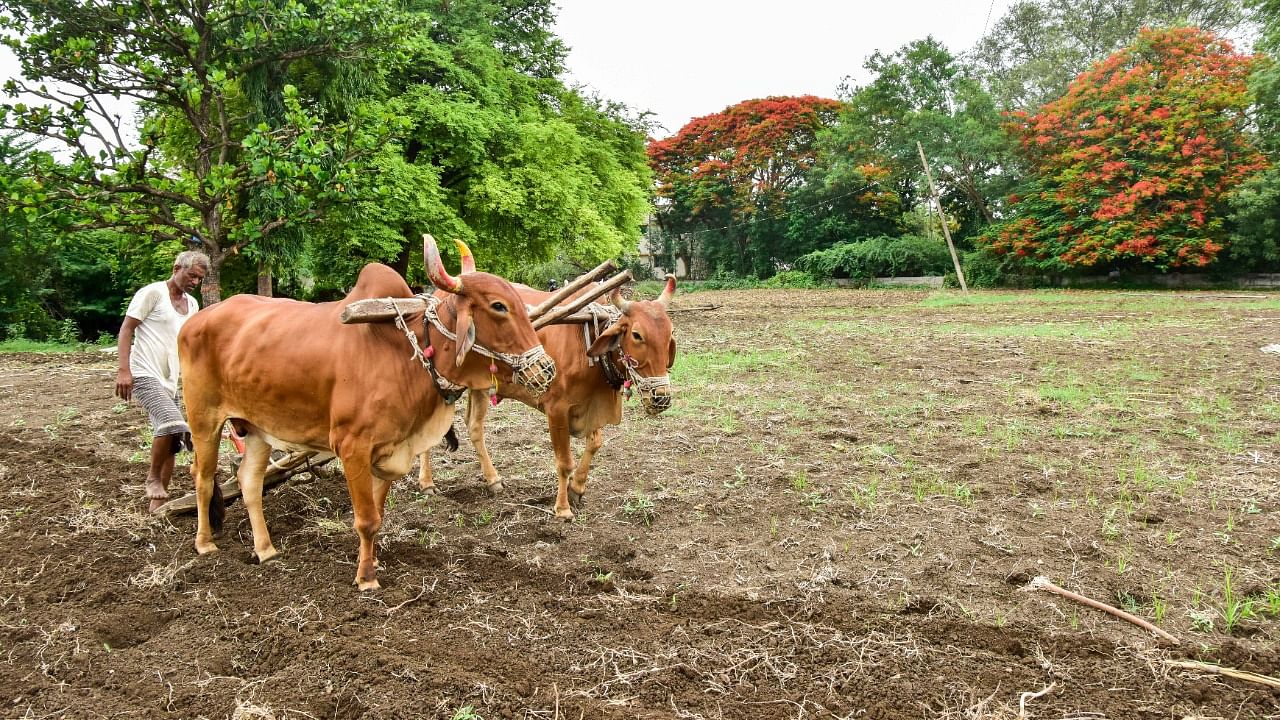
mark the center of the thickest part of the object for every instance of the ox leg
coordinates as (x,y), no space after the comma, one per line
(477,409)
(368,515)
(425,481)
(578,487)
(564,467)
(204,469)
(257,454)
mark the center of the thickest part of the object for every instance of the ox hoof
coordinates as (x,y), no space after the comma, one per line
(267,555)
(205,548)
(575,498)
(496,487)
(427,489)
(368,585)
(564,515)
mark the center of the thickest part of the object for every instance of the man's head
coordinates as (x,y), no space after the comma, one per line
(189,268)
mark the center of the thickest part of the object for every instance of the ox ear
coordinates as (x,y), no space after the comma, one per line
(466,332)
(671,352)
(608,341)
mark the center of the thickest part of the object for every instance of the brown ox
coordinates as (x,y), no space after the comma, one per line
(290,375)
(585,396)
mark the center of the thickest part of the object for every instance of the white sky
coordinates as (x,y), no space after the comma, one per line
(685,58)
(682,59)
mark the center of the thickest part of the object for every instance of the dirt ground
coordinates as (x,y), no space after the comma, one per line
(838,519)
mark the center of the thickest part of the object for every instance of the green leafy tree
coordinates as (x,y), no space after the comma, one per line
(495,150)
(921,93)
(729,177)
(1038,47)
(1134,165)
(1255,241)
(26,242)
(184,64)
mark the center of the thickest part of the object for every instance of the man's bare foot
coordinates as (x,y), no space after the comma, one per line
(157,494)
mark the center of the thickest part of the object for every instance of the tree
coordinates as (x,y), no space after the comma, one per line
(1255,240)
(1134,165)
(921,93)
(1038,47)
(729,175)
(494,150)
(185,65)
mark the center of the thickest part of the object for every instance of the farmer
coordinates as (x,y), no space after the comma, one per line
(148,346)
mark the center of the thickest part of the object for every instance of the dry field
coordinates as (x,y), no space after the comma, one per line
(837,520)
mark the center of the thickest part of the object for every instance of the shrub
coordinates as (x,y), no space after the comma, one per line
(983,269)
(792,279)
(881,256)
(68,332)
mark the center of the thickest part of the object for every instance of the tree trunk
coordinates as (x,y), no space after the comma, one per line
(401,263)
(211,288)
(264,279)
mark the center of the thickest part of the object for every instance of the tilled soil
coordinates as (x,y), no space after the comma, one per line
(838,519)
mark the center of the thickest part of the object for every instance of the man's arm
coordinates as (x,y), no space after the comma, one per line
(124,346)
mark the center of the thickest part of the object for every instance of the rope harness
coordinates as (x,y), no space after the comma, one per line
(534,368)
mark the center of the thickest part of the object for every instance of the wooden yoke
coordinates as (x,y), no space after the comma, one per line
(547,313)
(563,311)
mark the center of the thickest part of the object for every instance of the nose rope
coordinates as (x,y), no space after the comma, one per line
(449,390)
(515,361)
(533,368)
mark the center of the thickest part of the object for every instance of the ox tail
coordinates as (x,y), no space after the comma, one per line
(451,439)
(217,508)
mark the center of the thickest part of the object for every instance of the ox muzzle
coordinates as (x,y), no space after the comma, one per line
(655,393)
(534,370)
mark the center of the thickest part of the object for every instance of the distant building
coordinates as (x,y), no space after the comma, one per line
(650,253)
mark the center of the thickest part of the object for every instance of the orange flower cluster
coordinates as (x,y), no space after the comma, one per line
(1135,162)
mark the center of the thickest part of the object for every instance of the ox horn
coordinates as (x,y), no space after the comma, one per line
(665,298)
(615,297)
(435,268)
(468,260)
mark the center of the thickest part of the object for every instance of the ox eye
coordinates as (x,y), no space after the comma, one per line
(636,336)
(498,307)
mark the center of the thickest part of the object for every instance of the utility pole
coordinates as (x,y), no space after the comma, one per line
(955,259)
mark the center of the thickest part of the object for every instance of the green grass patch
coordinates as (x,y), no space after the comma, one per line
(1057,330)
(939,300)
(22,345)
(700,368)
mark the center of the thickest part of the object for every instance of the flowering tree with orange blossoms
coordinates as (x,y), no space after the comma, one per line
(729,177)
(1134,165)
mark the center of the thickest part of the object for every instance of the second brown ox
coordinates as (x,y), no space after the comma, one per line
(634,353)
(291,376)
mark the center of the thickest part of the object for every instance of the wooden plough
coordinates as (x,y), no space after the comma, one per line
(548,312)
(277,472)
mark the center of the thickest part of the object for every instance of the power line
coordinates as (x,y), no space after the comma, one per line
(986,22)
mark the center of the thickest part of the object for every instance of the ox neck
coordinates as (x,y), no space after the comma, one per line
(449,390)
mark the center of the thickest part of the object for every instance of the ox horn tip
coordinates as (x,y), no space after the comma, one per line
(468,260)
(668,290)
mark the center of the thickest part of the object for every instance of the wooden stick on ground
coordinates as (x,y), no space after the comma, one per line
(1022,699)
(1042,583)
(1229,672)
